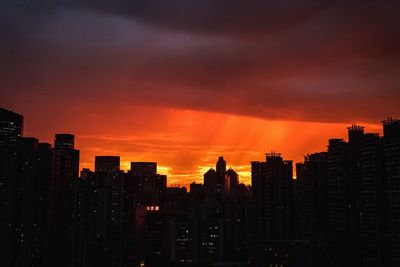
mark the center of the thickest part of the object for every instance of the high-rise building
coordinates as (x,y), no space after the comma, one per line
(151,184)
(372,201)
(66,160)
(210,184)
(34,169)
(107,163)
(343,192)
(221,170)
(272,197)
(236,218)
(65,171)
(231,181)
(144,169)
(91,224)
(338,179)
(64,141)
(11,126)
(391,146)
(312,198)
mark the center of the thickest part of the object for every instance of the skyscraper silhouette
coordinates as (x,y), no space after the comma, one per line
(65,171)
(107,163)
(11,126)
(272,192)
(391,146)
(210,184)
(231,181)
(312,221)
(372,202)
(221,170)
(344,230)
(34,169)
(144,169)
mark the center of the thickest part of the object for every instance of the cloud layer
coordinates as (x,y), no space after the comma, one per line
(82,65)
(291,60)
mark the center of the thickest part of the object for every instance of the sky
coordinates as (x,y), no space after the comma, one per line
(183,82)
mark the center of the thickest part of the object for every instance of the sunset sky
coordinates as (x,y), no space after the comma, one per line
(183,82)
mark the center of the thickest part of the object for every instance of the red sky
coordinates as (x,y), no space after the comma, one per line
(186,143)
(182,82)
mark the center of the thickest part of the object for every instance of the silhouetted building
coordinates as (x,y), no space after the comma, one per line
(144,169)
(236,227)
(34,166)
(91,227)
(312,209)
(102,204)
(272,197)
(64,141)
(11,126)
(391,146)
(66,160)
(196,196)
(107,163)
(231,181)
(151,183)
(65,171)
(337,178)
(210,184)
(344,210)
(130,202)
(196,190)
(161,183)
(372,199)
(221,170)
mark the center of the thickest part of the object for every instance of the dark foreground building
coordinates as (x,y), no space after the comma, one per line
(391,147)
(346,199)
(272,184)
(11,126)
(312,202)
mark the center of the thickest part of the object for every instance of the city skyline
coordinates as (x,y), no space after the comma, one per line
(185,179)
(184,154)
(344,202)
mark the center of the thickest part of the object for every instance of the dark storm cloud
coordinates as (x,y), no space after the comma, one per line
(295,60)
(209,16)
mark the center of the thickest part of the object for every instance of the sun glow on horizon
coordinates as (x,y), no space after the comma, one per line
(185,144)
